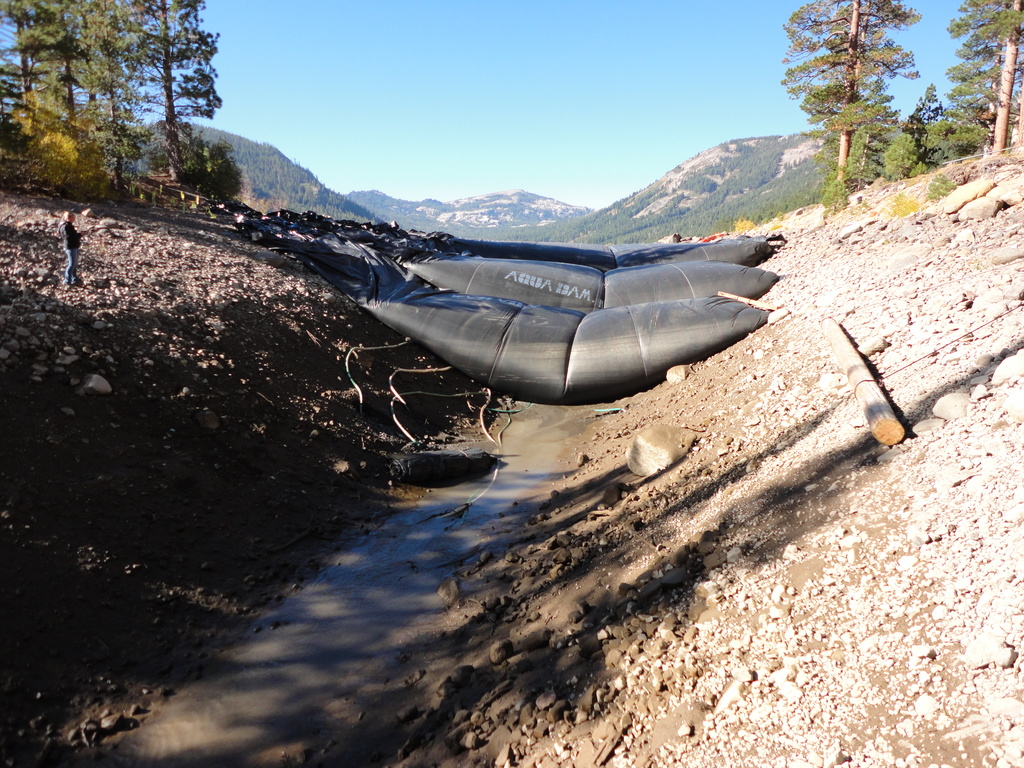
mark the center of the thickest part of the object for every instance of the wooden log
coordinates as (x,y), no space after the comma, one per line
(883,422)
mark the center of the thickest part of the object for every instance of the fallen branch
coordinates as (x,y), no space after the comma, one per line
(751,302)
(883,422)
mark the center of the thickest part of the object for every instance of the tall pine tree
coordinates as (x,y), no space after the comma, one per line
(985,79)
(842,58)
(110,75)
(177,69)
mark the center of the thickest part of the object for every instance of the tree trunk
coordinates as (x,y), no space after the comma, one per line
(69,90)
(1006,83)
(172,133)
(852,78)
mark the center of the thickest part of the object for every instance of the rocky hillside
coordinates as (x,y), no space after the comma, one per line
(754,178)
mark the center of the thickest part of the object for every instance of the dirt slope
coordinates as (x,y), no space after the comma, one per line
(138,524)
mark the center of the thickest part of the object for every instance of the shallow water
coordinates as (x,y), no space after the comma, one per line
(323,654)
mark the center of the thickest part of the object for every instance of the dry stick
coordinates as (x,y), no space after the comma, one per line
(883,422)
(751,302)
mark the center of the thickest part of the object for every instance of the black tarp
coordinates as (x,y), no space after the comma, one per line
(533,352)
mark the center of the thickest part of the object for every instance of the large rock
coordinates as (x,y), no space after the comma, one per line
(952,406)
(1008,194)
(988,649)
(1005,255)
(960,196)
(1013,405)
(982,208)
(657,448)
(94,384)
(1011,368)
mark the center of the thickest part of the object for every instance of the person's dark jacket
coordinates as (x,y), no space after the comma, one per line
(69,236)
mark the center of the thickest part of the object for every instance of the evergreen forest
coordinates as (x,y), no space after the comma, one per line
(271,181)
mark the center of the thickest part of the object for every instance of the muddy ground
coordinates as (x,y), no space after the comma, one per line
(790,593)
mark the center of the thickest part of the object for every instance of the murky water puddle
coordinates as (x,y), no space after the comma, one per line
(322,654)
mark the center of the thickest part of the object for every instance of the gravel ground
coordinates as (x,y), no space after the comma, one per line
(791,593)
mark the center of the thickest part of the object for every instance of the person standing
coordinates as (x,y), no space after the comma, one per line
(71,242)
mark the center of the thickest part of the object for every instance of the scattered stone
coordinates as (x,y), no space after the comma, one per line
(500,652)
(657,448)
(873,346)
(536,640)
(94,384)
(1013,405)
(989,650)
(677,374)
(1009,369)
(849,230)
(450,592)
(927,425)
(208,420)
(271,258)
(952,406)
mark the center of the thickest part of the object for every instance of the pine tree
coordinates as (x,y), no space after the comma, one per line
(866,153)
(111,77)
(985,78)
(177,69)
(845,58)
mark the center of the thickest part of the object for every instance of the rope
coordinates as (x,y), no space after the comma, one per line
(396,395)
(951,342)
(356,350)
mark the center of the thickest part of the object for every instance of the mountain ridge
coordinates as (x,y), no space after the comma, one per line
(752,178)
(490,211)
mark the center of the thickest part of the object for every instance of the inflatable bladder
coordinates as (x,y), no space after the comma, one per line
(575,286)
(532,351)
(747,251)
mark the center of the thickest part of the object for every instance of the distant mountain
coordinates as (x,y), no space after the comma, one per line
(275,182)
(754,178)
(472,216)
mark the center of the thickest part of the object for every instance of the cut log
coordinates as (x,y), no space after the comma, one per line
(881,419)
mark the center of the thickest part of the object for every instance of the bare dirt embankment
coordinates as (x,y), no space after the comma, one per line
(138,525)
(791,593)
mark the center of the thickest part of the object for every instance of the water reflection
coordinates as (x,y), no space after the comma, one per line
(322,655)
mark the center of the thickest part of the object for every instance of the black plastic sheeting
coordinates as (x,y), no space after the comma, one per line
(531,351)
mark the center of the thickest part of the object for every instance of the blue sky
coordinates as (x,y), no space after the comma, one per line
(586,102)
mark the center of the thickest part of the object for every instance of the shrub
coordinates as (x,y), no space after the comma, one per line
(834,195)
(742,225)
(901,158)
(940,186)
(61,156)
(902,205)
(211,168)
